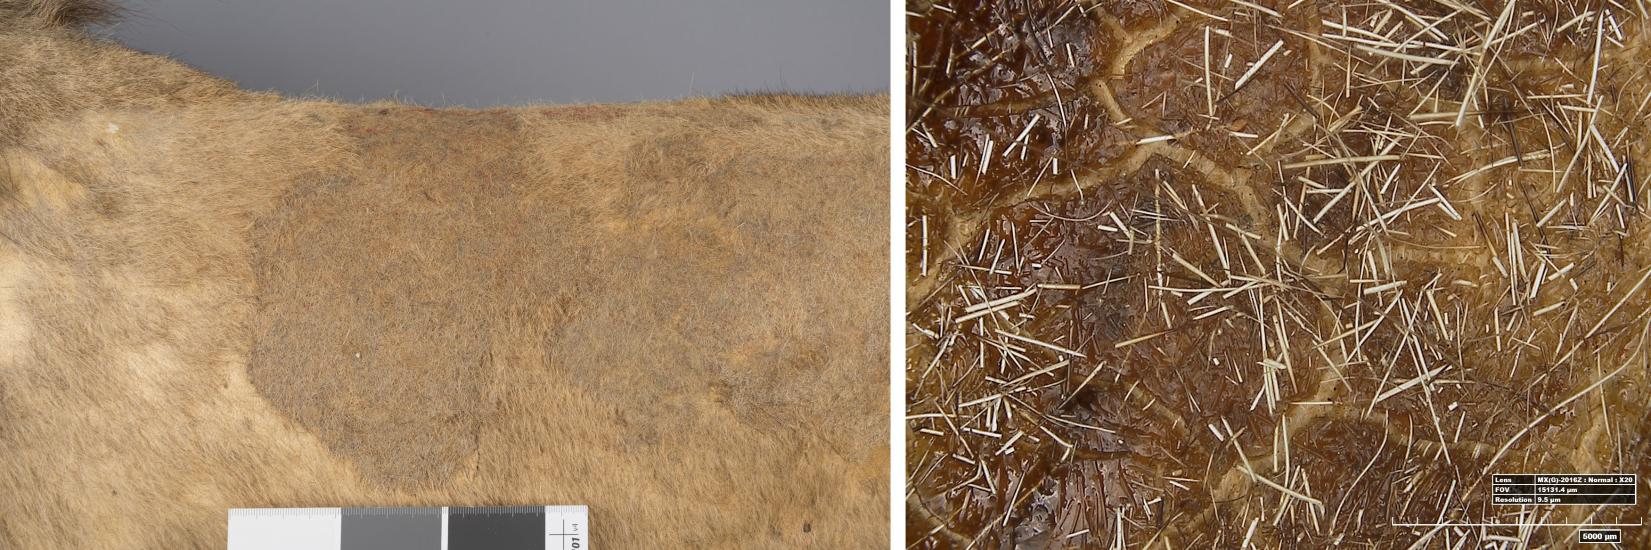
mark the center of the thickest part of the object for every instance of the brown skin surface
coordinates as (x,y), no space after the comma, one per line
(1210,316)
(211,298)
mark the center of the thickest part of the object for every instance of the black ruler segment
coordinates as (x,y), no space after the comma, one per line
(1564,489)
(512,528)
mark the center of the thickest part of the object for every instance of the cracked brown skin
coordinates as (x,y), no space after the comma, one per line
(1370,464)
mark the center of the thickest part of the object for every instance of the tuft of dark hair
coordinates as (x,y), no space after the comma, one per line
(58,13)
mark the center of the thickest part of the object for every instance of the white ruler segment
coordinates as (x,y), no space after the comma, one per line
(567,528)
(285,528)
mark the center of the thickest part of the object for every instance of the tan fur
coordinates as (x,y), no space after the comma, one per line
(209,298)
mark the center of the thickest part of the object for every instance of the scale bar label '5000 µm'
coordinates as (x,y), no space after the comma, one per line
(497,528)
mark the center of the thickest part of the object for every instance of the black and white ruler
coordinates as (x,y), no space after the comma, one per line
(499,528)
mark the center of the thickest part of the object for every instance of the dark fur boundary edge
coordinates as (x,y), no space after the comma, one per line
(57,13)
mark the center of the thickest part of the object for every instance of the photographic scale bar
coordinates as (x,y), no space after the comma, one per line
(1532,524)
(501,528)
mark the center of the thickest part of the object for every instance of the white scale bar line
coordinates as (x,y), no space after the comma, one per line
(1517,524)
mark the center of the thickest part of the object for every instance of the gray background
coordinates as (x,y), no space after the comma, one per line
(488,52)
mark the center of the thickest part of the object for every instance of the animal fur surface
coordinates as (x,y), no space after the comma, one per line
(1274,274)
(209,298)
